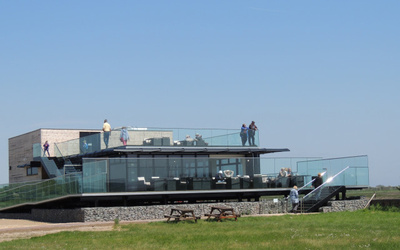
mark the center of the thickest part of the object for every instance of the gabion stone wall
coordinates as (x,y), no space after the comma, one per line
(157,212)
(242,208)
(344,205)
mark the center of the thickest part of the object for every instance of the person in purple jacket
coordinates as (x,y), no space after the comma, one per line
(46,148)
(243,134)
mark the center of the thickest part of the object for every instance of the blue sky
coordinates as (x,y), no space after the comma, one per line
(319,77)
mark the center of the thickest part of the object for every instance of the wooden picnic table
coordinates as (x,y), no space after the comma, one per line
(221,212)
(181,214)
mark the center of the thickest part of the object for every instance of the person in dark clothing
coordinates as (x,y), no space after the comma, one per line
(318,182)
(252,132)
(243,134)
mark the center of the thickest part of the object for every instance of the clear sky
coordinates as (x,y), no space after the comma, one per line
(319,77)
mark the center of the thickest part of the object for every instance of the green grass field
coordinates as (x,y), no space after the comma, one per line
(360,229)
(381,192)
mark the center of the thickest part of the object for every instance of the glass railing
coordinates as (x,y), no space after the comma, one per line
(273,165)
(356,175)
(44,190)
(37,150)
(154,137)
(330,185)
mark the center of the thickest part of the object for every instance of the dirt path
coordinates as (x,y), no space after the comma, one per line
(25,229)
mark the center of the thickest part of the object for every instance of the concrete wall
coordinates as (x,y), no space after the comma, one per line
(158,211)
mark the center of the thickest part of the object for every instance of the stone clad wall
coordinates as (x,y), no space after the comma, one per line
(20,149)
(158,211)
(20,152)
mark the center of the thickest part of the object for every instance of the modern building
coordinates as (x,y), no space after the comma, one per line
(86,168)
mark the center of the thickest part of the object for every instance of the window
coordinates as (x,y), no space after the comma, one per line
(32,171)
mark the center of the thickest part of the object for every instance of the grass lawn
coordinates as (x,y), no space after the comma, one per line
(360,229)
(381,193)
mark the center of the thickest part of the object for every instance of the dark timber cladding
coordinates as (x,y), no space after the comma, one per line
(199,150)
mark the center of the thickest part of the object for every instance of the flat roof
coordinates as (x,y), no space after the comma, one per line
(194,150)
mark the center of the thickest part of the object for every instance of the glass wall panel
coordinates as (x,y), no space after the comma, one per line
(117,174)
(203,167)
(189,166)
(132,173)
(37,150)
(356,175)
(175,165)
(94,175)
(146,167)
(161,166)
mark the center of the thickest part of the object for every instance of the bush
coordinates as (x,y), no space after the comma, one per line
(379,207)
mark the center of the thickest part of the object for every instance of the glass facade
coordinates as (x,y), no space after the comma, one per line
(159,173)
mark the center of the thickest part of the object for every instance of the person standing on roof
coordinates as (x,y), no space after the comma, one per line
(46,148)
(107,132)
(252,133)
(124,136)
(243,133)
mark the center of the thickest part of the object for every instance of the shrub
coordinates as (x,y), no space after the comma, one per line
(379,207)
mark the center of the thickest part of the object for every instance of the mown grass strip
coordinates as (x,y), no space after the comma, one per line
(361,229)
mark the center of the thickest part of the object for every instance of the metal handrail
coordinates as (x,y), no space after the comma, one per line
(322,174)
(319,187)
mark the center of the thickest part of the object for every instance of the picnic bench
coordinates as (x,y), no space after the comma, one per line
(179,214)
(220,212)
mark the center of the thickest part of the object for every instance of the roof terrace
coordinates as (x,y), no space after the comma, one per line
(159,137)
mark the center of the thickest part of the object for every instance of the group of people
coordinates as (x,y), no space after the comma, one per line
(198,139)
(294,193)
(285,172)
(248,133)
(124,135)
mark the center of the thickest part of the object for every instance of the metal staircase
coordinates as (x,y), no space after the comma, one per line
(49,166)
(321,195)
(70,168)
(319,199)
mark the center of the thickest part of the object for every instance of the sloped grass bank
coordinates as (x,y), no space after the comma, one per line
(360,229)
